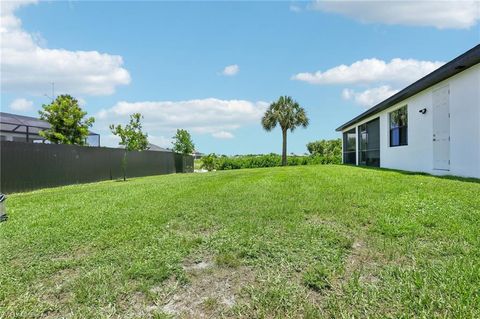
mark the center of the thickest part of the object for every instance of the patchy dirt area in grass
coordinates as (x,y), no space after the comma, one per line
(136,306)
(361,261)
(74,255)
(58,295)
(211,292)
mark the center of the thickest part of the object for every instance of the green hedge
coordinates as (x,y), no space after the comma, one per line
(270,160)
(321,152)
(328,148)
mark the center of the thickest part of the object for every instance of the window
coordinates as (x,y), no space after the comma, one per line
(349,147)
(399,127)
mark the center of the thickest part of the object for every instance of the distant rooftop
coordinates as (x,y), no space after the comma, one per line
(153,147)
(15,119)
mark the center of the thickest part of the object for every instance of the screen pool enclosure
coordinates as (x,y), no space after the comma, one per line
(20,128)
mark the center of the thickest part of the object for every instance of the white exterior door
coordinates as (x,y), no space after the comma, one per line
(441,128)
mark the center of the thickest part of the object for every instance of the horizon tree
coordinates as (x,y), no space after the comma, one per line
(131,137)
(68,124)
(288,114)
(183,143)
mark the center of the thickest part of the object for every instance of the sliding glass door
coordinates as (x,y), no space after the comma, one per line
(369,143)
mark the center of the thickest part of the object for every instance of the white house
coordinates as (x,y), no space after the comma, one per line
(431,126)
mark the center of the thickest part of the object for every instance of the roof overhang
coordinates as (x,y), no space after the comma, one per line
(457,65)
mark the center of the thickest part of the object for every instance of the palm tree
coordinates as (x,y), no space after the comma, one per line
(289,115)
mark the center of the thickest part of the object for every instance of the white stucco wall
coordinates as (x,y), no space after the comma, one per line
(464,129)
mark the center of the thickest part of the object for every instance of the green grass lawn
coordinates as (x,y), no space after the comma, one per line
(309,241)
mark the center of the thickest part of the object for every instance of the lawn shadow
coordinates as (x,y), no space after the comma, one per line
(449,177)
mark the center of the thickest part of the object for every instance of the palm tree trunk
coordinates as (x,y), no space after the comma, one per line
(284,148)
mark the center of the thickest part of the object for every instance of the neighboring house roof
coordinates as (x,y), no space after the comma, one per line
(153,147)
(457,65)
(18,123)
(15,119)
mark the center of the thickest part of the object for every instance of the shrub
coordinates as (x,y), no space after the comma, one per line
(248,161)
(329,150)
(209,162)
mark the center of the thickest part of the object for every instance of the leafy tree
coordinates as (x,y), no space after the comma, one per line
(68,124)
(131,137)
(209,162)
(183,143)
(287,113)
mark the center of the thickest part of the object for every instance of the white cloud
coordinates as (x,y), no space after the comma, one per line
(223,135)
(231,70)
(369,97)
(203,116)
(381,78)
(81,102)
(439,14)
(295,8)
(372,70)
(108,139)
(162,141)
(29,67)
(21,105)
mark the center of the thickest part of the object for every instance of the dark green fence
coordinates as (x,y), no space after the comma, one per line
(28,166)
(183,163)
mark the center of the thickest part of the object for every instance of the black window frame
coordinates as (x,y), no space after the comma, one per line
(348,152)
(369,143)
(402,130)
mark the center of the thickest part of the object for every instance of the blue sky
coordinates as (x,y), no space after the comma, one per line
(167,61)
